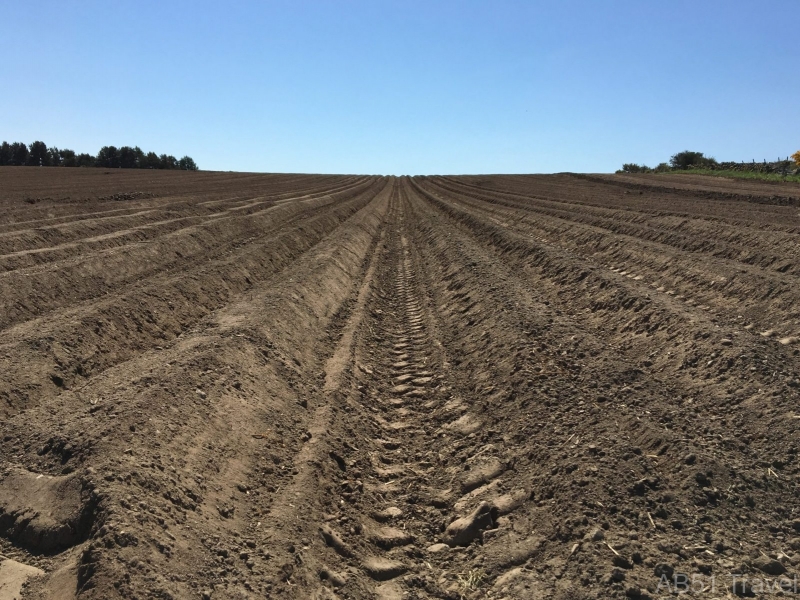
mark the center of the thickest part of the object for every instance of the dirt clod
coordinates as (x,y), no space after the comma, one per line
(462,531)
(383,569)
(333,540)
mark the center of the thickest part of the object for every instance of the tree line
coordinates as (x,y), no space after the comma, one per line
(688,159)
(110,157)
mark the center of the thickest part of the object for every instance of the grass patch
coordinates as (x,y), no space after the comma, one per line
(740,175)
(472,580)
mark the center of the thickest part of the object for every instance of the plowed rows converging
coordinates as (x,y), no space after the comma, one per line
(73,316)
(743,265)
(243,386)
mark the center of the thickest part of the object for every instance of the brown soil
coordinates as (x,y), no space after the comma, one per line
(220,385)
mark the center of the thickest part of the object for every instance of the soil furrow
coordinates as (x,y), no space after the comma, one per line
(46,356)
(568,387)
(37,290)
(749,286)
(48,238)
(588,407)
(196,476)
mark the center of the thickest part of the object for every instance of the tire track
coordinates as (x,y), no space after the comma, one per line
(405,503)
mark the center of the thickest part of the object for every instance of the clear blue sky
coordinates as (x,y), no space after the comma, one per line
(405,86)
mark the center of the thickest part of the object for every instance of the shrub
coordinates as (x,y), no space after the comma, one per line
(688,159)
(634,168)
(796,158)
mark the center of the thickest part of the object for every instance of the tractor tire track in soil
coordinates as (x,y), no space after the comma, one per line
(226,385)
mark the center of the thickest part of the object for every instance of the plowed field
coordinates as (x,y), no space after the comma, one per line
(222,385)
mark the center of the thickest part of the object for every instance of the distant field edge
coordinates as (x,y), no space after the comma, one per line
(772,177)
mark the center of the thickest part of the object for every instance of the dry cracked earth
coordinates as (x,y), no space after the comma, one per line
(221,385)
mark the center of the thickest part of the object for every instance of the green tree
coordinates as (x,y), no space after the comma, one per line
(54,155)
(38,155)
(108,157)
(19,154)
(688,159)
(127,157)
(151,161)
(85,159)
(167,161)
(5,154)
(68,158)
(187,164)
